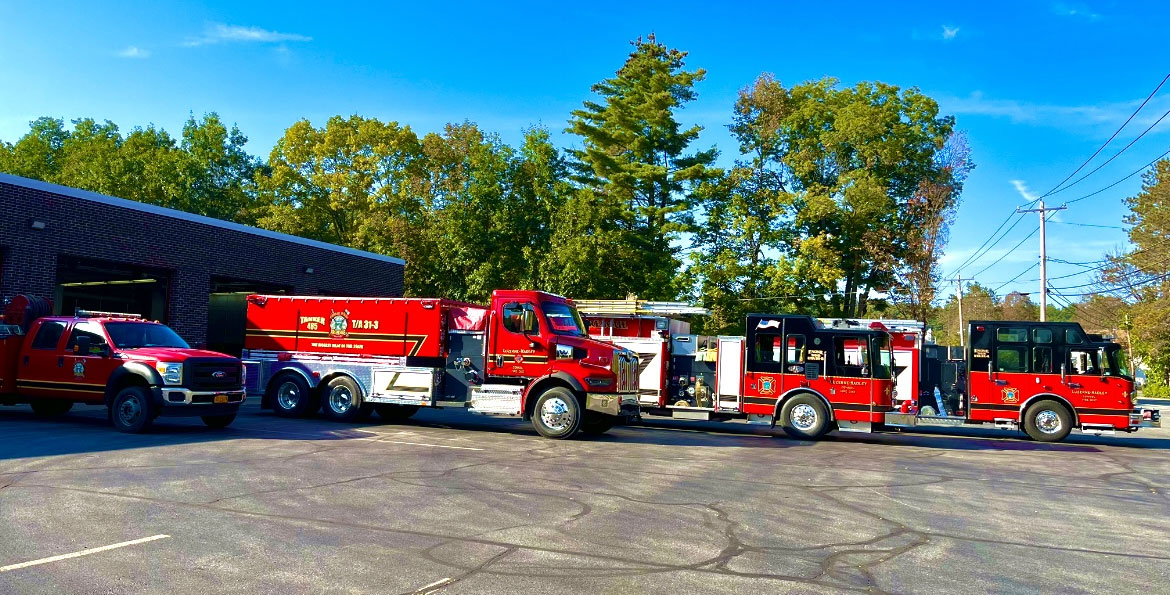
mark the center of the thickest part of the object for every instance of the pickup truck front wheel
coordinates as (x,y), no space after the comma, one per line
(130,410)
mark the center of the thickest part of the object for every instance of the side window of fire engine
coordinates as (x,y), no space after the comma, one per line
(514,318)
(1083,361)
(49,335)
(766,352)
(1011,359)
(851,356)
(1042,360)
(86,329)
(795,350)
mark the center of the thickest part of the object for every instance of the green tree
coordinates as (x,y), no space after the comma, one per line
(850,162)
(634,163)
(1142,275)
(979,303)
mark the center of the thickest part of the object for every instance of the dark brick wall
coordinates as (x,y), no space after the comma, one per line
(192,252)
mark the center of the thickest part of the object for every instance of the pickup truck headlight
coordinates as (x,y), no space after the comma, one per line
(172,373)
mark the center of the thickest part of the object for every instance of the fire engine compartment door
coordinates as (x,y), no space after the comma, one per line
(404,385)
(730,370)
(464,368)
(651,366)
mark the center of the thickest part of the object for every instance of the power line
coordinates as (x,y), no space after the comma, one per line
(1115,155)
(1102,147)
(1090,225)
(1013,279)
(1135,172)
(979,252)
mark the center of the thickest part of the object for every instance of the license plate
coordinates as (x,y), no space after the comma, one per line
(220,399)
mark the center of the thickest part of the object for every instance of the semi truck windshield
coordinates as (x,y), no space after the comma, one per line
(564,320)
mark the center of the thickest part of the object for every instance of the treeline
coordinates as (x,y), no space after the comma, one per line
(836,193)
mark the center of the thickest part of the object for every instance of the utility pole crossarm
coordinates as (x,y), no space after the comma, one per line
(1043,253)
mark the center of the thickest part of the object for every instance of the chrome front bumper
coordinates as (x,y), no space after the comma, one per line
(612,403)
(1145,418)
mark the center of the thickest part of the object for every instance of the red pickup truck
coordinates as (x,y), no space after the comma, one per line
(137,369)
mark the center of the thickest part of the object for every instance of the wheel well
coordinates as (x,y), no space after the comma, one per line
(269,390)
(1072,411)
(537,389)
(122,382)
(794,393)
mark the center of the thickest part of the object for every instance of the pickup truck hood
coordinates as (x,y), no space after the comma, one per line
(168,354)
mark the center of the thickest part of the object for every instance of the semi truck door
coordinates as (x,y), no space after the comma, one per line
(520,346)
(41,369)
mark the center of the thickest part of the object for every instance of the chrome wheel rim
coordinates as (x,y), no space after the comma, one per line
(555,414)
(340,399)
(129,411)
(288,396)
(804,417)
(1048,421)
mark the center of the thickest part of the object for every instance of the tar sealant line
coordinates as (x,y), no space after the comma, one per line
(431,588)
(95,550)
(383,440)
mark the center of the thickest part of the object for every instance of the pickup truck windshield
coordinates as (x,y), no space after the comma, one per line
(132,335)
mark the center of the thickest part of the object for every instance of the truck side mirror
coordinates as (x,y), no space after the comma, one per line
(528,320)
(81,345)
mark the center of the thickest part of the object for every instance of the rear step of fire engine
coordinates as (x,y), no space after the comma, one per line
(690,413)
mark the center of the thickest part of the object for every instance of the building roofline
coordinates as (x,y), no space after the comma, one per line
(177,214)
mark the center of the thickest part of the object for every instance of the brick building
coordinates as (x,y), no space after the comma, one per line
(87,250)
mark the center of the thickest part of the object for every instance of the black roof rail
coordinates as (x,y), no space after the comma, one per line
(98,314)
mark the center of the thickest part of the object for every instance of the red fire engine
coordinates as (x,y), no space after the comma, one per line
(789,371)
(136,368)
(1048,377)
(527,354)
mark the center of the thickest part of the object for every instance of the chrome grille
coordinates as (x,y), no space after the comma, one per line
(627,372)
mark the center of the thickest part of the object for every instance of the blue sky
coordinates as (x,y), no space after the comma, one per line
(1037,86)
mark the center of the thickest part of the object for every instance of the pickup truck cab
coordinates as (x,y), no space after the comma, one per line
(137,369)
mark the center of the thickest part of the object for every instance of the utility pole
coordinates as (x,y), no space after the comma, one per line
(959,282)
(1043,254)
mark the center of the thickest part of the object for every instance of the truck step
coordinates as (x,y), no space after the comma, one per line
(938,420)
(690,414)
(1098,430)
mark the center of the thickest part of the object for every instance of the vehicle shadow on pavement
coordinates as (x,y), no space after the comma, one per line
(25,435)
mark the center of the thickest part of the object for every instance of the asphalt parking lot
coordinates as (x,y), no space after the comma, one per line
(453,503)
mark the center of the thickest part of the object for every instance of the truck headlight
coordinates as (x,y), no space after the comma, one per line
(171,372)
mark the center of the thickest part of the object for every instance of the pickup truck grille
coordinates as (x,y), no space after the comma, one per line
(212,374)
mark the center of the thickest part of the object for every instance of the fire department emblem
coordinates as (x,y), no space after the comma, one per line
(767,386)
(1011,395)
(339,324)
(519,358)
(79,368)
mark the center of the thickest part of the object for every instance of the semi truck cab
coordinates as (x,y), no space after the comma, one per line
(136,368)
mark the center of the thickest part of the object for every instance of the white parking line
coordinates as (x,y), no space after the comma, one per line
(431,588)
(81,553)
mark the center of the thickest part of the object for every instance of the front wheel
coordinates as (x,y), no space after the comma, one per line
(219,421)
(1048,421)
(804,417)
(51,407)
(130,410)
(557,414)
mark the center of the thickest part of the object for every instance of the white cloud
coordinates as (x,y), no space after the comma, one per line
(1075,9)
(221,33)
(1022,188)
(131,51)
(949,33)
(1095,117)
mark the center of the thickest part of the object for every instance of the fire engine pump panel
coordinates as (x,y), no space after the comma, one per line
(694,360)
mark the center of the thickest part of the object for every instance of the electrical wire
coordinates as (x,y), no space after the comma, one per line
(1013,279)
(1135,172)
(1115,155)
(1102,147)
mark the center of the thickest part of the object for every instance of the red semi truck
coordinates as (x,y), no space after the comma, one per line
(1047,378)
(137,369)
(526,354)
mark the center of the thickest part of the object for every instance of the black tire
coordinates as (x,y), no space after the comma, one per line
(596,424)
(219,421)
(557,414)
(1047,421)
(130,411)
(290,396)
(395,413)
(341,400)
(804,417)
(51,407)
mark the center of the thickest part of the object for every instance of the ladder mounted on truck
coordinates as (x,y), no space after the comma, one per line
(637,307)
